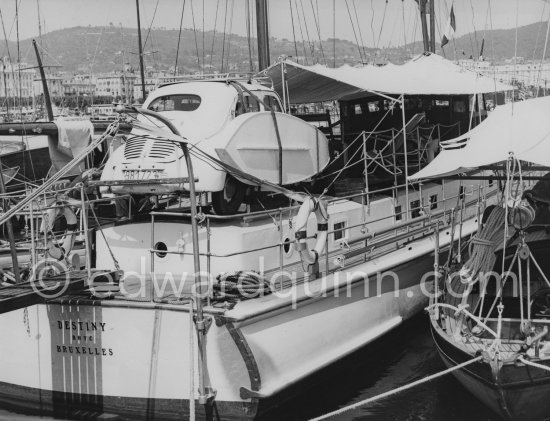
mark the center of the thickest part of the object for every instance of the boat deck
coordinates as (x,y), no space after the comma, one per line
(25,294)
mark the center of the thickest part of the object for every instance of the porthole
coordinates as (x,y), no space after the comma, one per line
(287,247)
(161,247)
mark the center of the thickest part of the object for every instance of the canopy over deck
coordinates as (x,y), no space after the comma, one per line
(426,74)
(521,129)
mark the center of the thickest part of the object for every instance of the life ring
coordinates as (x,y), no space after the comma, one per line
(319,208)
(67,242)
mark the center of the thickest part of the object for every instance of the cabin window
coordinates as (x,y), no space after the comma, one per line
(433,201)
(398,214)
(182,102)
(415,208)
(459,106)
(251,104)
(357,109)
(273,103)
(374,107)
(339,230)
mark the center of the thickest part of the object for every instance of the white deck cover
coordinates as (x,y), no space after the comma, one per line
(426,74)
(521,128)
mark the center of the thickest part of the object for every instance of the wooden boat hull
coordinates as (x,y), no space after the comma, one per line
(516,392)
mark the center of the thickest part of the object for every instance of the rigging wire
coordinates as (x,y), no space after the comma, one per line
(404,24)
(315,18)
(543,56)
(151,25)
(293,30)
(539,31)
(382,24)
(203,31)
(416,18)
(372,22)
(476,51)
(195,36)
(230,30)
(311,46)
(248,37)
(301,32)
(359,30)
(515,48)
(214,34)
(6,96)
(179,39)
(39,23)
(224,33)
(354,33)
(334,33)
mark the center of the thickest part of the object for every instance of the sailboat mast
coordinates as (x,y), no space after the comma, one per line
(432,25)
(425,36)
(263,34)
(47,99)
(140,54)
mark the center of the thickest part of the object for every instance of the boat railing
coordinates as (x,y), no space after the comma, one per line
(383,239)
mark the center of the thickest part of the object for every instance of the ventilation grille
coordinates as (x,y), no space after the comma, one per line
(138,147)
(161,149)
(134,147)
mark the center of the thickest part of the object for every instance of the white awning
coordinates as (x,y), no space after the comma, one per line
(521,129)
(426,74)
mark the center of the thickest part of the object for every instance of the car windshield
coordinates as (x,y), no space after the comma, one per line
(181,102)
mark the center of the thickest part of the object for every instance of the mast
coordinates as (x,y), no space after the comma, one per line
(4,67)
(425,36)
(263,34)
(432,25)
(140,55)
(47,99)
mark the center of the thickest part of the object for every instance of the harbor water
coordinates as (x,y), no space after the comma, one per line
(405,355)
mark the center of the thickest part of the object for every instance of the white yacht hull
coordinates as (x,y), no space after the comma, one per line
(133,358)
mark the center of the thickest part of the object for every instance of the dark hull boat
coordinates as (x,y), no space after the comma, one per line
(492,312)
(513,390)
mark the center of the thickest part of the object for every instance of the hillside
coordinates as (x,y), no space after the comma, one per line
(499,44)
(103,49)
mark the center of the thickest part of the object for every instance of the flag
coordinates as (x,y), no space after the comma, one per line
(451,28)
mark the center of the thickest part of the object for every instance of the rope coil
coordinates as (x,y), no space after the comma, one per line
(482,246)
(240,285)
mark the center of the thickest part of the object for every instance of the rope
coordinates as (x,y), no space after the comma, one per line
(301,34)
(224,34)
(240,285)
(316,19)
(532,364)
(115,261)
(195,36)
(354,33)
(396,391)
(294,30)
(483,244)
(214,34)
(179,39)
(311,45)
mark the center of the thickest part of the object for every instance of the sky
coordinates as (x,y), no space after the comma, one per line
(382,23)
